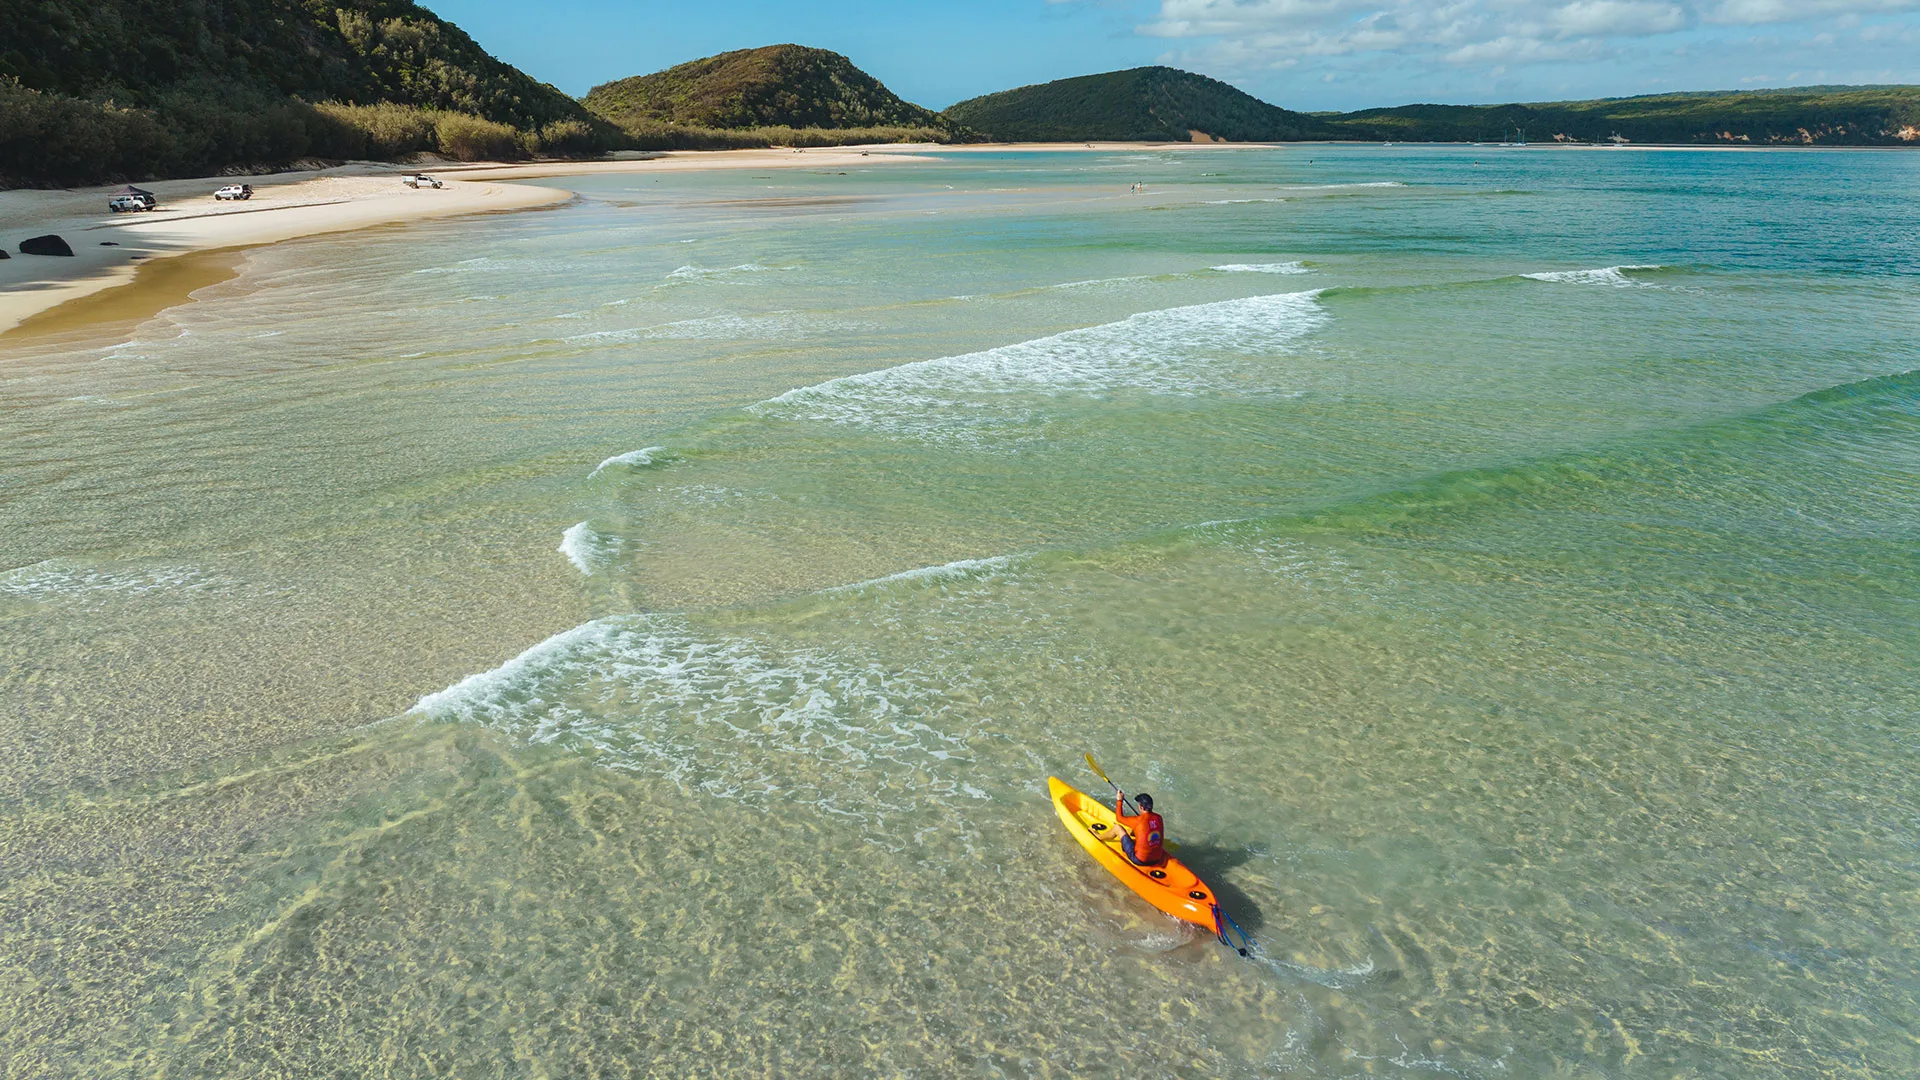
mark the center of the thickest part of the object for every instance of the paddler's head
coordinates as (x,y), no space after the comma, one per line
(1145,800)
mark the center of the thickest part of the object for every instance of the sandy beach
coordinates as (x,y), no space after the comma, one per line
(113,253)
(129,265)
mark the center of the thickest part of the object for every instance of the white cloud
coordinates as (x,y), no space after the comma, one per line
(1255,35)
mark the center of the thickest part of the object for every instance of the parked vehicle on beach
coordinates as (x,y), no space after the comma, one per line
(420,180)
(235,191)
(127,203)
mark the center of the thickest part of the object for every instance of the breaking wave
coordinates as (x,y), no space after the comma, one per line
(1616,276)
(698,273)
(958,570)
(729,715)
(586,549)
(1262,268)
(634,459)
(1175,351)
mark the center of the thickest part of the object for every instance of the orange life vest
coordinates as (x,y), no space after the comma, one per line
(1147,829)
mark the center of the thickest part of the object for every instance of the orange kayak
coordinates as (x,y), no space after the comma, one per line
(1171,887)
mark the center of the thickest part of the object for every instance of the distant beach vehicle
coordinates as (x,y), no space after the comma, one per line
(235,191)
(131,198)
(420,180)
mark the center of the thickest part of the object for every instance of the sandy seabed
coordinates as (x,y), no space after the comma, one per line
(127,266)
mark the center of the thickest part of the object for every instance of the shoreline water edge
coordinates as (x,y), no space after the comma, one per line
(121,255)
(637,636)
(116,261)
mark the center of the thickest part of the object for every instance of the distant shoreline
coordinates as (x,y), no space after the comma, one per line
(115,275)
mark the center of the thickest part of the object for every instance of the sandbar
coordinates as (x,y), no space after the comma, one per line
(115,274)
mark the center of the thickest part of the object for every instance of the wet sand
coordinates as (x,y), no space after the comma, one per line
(115,252)
(153,286)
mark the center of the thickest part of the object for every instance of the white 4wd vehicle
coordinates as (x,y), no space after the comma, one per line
(420,180)
(234,191)
(122,203)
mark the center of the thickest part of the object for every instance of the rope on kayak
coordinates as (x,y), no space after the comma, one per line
(1221,921)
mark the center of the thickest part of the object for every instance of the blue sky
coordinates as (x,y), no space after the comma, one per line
(1303,54)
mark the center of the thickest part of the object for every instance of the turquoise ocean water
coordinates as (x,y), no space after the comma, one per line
(632,638)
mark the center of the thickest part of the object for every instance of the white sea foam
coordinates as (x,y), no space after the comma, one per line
(483,262)
(958,570)
(64,579)
(729,715)
(1096,282)
(698,273)
(770,326)
(1615,276)
(634,459)
(1238,202)
(1346,978)
(1176,351)
(1262,268)
(586,549)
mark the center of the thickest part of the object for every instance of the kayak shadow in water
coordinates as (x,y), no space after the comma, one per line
(1211,862)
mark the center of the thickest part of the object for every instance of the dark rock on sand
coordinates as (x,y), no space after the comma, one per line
(50,244)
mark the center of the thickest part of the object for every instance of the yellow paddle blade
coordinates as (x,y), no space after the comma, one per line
(1097,770)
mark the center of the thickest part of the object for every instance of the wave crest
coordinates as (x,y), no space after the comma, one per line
(1262,268)
(728,716)
(634,459)
(1181,351)
(1615,276)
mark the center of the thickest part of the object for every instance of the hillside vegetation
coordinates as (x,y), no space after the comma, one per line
(1141,104)
(1162,104)
(1807,116)
(771,90)
(105,89)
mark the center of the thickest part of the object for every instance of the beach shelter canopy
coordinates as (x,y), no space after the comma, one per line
(131,190)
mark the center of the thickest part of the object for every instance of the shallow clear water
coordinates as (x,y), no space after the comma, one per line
(633,638)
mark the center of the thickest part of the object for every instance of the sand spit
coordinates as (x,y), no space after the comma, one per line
(111,249)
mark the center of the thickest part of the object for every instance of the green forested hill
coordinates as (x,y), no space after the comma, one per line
(1813,115)
(776,86)
(91,89)
(1160,103)
(1149,103)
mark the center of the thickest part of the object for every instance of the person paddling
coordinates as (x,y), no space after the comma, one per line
(1145,831)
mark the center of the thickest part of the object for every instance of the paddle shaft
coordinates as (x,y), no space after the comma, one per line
(1102,774)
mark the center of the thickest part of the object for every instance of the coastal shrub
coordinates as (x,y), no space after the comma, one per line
(48,138)
(379,132)
(654,135)
(219,124)
(780,136)
(196,130)
(569,138)
(469,138)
